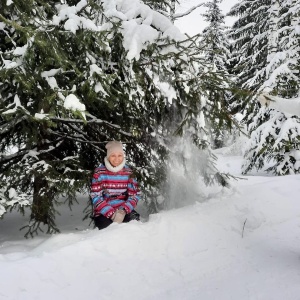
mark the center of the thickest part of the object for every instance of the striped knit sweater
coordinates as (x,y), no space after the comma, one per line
(113,190)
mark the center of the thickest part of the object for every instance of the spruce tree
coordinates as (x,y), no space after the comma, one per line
(216,51)
(266,46)
(43,66)
(250,41)
(78,74)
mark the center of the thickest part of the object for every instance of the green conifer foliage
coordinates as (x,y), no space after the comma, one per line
(266,46)
(69,83)
(215,48)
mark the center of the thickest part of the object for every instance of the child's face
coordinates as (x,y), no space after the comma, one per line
(116,159)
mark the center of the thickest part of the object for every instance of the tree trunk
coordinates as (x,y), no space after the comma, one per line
(172,10)
(42,205)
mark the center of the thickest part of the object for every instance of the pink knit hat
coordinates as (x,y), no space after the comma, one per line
(114,147)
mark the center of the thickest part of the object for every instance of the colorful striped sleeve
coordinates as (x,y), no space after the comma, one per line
(133,195)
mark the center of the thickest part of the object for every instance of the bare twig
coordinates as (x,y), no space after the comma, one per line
(244,228)
(180,15)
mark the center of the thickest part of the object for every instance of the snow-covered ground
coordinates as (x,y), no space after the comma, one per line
(242,243)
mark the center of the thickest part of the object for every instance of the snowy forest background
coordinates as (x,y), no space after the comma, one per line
(76,74)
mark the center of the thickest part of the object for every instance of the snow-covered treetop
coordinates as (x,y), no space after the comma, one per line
(141,25)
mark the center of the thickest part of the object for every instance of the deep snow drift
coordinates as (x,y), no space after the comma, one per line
(242,243)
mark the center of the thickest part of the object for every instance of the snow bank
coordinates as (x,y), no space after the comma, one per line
(241,244)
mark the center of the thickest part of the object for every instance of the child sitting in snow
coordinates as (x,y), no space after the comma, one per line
(114,191)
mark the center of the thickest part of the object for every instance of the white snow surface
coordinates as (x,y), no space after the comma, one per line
(74,22)
(240,243)
(290,106)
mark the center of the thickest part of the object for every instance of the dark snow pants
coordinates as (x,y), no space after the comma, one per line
(102,222)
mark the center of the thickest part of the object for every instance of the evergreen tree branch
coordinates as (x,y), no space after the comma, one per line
(93,121)
(14,24)
(78,139)
(8,158)
(7,127)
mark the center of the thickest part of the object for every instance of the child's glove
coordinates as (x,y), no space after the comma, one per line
(119,216)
